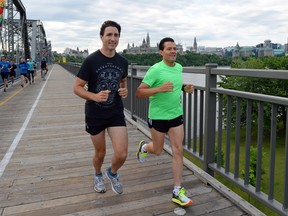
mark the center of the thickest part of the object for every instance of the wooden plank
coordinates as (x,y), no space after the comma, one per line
(120,203)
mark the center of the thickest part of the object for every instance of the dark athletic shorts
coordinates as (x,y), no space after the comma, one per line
(164,125)
(95,125)
(12,74)
(4,75)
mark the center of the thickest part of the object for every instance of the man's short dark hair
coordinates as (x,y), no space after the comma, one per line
(107,24)
(166,39)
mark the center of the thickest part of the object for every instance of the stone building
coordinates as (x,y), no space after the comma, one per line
(265,49)
(145,47)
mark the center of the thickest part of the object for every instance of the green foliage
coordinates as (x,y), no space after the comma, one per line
(57,57)
(276,87)
(187,59)
(216,156)
(276,63)
(253,167)
(74,59)
(252,62)
(69,58)
(272,62)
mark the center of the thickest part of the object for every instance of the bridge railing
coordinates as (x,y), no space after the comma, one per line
(206,127)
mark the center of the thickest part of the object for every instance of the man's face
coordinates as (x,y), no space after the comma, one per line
(169,53)
(110,38)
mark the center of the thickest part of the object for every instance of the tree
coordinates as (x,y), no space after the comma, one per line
(258,85)
(186,59)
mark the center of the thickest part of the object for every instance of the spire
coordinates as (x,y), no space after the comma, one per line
(194,45)
(237,46)
(148,40)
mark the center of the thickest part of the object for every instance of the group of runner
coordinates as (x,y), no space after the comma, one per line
(26,70)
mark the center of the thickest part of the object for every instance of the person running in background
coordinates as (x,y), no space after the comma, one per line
(44,68)
(105,72)
(23,67)
(12,71)
(30,70)
(163,83)
(5,69)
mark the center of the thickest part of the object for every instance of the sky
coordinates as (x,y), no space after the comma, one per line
(214,23)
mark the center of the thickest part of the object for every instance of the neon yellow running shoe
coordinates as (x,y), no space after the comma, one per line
(141,155)
(181,198)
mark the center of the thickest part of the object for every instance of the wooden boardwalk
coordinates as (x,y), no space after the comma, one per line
(46,163)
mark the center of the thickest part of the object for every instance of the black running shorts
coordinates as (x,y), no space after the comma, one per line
(95,125)
(164,125)
(4,75)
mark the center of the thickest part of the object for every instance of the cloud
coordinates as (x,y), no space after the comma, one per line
(216,23)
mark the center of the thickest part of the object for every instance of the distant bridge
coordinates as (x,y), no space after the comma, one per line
(21,37)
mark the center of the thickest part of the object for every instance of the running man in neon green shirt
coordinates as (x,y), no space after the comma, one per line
(163,84)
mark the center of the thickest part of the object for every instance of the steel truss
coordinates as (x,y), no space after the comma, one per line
(21,37)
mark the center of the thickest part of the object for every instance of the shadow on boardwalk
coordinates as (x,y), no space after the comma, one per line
(50,170)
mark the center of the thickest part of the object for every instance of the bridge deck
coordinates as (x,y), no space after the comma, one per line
(46,166)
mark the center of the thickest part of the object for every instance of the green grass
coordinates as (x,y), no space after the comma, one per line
(279,169)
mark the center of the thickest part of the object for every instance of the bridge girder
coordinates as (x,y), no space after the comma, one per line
(28,35)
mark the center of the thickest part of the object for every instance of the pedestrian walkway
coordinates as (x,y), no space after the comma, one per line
(46,163)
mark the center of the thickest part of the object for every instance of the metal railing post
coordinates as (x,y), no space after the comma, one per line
(210,119)
(132,91)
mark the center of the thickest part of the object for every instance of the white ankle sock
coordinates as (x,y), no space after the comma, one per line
(176,189)
(143,148)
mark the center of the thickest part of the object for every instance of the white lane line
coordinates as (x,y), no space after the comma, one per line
(13,146)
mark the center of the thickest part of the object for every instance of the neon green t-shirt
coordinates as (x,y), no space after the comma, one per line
(165,105)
